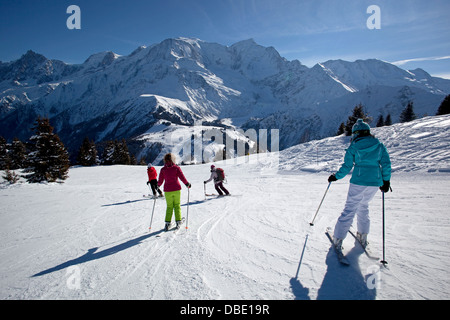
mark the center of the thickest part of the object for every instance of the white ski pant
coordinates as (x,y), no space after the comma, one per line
(358,199)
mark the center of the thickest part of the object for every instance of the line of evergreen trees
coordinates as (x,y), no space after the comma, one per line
(115,152)
(45,158)
(406,116)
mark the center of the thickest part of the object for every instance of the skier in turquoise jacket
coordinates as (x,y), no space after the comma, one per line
(371,165)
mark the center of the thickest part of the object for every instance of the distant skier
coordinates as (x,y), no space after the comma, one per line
(169,175)
(371,170)
(218,176)
(152,175)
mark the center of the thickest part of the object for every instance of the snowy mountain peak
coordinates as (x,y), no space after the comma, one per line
(104,58)
(192,41)
(363,73)
(137,50)
(34,68)
(32,58)
(99,60)
(248,43)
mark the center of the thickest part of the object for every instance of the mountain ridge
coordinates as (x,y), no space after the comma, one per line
(184,80)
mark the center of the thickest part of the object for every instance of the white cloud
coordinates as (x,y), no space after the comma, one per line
(402,62)
(442,75)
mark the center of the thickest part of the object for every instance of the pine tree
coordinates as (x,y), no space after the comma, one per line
(122,154)
(49,160)
(108,153)
(388,120)
(116,152)
(142,162)
(444,108)
(18,154)
(4,156)
(358,113)
(87,155)
(133,160)
(408,113)
(11,176)
(341,129)
(380,121)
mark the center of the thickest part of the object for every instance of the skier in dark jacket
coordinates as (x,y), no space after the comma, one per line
(218,182)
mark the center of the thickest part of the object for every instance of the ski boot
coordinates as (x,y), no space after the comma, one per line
(362,238)
(338,244)
(179,223)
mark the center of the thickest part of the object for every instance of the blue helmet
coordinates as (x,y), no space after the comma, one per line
(360,125)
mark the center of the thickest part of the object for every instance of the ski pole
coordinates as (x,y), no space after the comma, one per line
(312,222)
(151,219)
(384,262)
(187,214)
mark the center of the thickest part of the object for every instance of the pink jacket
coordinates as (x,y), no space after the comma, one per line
(170,174)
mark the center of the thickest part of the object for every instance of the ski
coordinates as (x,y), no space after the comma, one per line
(366,250)
(150,196)
(223,195)
(342,259)
(172,227)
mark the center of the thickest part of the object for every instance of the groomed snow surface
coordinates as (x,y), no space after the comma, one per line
(89,237)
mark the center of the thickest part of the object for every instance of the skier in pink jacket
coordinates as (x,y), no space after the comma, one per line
(169,175)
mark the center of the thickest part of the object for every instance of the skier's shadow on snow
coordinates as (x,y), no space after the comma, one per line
(93,254)
(300,292)
(193,203)
(344,282)
(124,202)
(196,202)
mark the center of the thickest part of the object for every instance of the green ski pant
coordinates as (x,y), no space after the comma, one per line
(173,204)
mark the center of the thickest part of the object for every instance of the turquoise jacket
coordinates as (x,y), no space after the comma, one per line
(370,160)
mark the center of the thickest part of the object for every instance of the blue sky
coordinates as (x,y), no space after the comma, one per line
(413,34)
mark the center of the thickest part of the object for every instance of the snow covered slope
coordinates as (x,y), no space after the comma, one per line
(418,146)
(88,238)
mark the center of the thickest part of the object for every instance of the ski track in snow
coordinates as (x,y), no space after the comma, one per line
(256,244)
